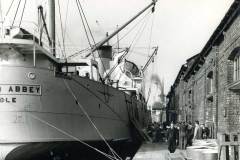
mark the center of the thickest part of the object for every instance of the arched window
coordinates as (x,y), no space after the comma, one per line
(236,68)
(235,57)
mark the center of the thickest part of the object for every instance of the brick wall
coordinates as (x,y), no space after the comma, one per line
(219,105)
(229,100)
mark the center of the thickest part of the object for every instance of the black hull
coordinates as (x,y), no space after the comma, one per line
(72,150)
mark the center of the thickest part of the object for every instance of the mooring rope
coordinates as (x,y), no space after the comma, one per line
(91,121)
(71,136)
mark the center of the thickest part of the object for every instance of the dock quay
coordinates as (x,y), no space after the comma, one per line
(158,151)
(201,149)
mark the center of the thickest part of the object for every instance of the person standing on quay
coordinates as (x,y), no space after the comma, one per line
(197,134)
(189,134)
(172,137)
(182,135)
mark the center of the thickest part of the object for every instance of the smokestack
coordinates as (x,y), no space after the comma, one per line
(103,57)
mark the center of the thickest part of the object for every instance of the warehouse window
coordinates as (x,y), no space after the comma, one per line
(236,68)
(210,82)
(189,96)
(234,57)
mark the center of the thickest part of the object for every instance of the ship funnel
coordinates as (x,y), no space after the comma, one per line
(103,57)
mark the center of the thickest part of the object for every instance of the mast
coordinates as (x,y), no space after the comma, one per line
(122,27)
(51,11)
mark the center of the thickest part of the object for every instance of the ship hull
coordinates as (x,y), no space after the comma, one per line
(60,108)
(71,150)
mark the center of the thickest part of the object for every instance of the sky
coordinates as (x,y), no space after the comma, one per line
(180,28)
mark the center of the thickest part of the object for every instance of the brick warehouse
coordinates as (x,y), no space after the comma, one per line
(207,87)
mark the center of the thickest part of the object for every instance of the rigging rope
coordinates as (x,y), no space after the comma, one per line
(71,41)
(85,29)
(117,64)
(8,10)
(81,8)
(65,24)
(150,37)
(128,49)
(1,13)
(87,23)
(60,16)
(60,46)
(24,6)
(151,83)
(90,120)
(19,2)
(78,52)
(149,48)
(73,137)
(95,95)
(82,19)
(138,35)
(133,27)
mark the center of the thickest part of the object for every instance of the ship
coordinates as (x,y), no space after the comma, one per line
(51,108)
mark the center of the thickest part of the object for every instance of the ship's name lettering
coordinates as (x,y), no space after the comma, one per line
(20,89)
(8,100)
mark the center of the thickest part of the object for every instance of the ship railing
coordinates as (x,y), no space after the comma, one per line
(33,33)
